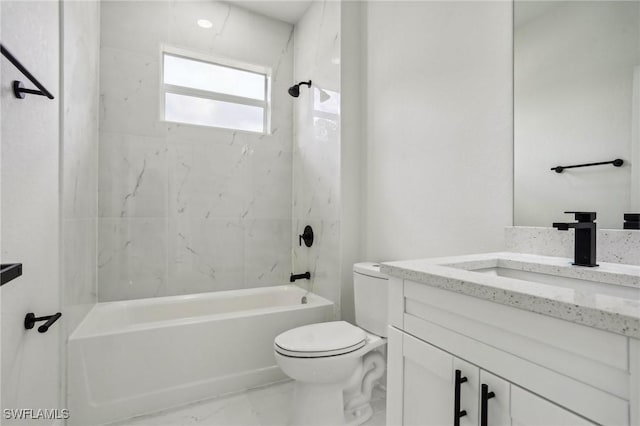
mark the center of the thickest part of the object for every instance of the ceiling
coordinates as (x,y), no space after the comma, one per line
(284,10)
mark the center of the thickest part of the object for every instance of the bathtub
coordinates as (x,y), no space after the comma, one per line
(140,356)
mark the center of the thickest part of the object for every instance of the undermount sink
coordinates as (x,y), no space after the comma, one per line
(614,279)
(605,297)
(578,284)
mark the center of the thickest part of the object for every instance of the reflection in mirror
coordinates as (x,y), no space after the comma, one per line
(576,100)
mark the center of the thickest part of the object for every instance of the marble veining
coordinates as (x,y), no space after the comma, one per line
(316,149)
(611,304)
(182,208)
(79,163)
(321,259)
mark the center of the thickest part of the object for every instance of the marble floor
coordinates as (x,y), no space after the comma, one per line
(266,406)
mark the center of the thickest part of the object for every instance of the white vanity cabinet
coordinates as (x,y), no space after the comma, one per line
(528,409)
(536,370)
(428,386)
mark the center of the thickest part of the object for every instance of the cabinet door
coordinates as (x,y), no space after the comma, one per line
(421,387)
(528,409)
(494,400)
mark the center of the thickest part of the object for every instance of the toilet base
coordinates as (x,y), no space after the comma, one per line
(322,405)
(317,405)
(358,416)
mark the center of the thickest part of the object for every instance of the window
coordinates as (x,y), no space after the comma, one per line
(207,93)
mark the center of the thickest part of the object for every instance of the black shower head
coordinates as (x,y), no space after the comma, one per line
(295,89)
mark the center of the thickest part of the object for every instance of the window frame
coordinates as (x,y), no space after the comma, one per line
(206,94)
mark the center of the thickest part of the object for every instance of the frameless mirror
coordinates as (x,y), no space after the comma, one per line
(576,101)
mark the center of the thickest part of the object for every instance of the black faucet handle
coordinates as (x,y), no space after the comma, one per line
(584,216)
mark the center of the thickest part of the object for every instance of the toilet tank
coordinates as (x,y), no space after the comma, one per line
(370,297)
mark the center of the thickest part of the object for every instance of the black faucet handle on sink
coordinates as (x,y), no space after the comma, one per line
(584,216)
(585,237)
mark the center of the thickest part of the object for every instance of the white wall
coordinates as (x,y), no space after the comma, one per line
(316,154)
(353,80)
(30,207)
(439,128)
(188,209)
(574,68)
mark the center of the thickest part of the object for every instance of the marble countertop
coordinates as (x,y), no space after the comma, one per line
(606,297)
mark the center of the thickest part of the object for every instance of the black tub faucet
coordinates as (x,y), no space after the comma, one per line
(585,245)
(294,277)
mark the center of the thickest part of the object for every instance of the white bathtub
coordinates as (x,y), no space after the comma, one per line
(139,356)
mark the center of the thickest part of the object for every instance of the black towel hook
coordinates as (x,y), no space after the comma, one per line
(30,320)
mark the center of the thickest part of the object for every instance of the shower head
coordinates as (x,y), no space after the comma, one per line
(295,89)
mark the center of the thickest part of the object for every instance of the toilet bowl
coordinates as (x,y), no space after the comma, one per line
(336,364)
(327,361)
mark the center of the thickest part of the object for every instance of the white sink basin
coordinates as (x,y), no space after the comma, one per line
(576,284)
(605,297)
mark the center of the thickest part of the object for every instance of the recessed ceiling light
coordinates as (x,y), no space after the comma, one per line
(205,23)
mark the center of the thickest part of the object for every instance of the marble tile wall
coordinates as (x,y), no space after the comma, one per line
(79,164)
(613,245)
(187,209)
(80,66)
(316,152)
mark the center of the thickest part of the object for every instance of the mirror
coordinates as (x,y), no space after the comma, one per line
(576,101)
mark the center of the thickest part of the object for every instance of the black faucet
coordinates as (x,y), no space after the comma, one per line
(585,249)
(306,275)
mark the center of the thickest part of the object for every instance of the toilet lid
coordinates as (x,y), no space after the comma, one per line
(322,339)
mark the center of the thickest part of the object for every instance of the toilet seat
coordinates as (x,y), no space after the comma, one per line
(320,340)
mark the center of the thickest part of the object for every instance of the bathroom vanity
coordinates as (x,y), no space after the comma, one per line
(513,339)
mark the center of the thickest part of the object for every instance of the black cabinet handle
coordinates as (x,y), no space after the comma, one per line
(484,404)
(457,413)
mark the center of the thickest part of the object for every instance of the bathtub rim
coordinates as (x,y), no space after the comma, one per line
(314,300)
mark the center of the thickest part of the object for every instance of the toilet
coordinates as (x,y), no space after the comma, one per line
(336,364)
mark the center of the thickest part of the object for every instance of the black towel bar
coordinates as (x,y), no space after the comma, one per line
(9,272)
(18,90)
(617,163)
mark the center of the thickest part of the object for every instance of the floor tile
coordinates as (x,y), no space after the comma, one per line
(266,406)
